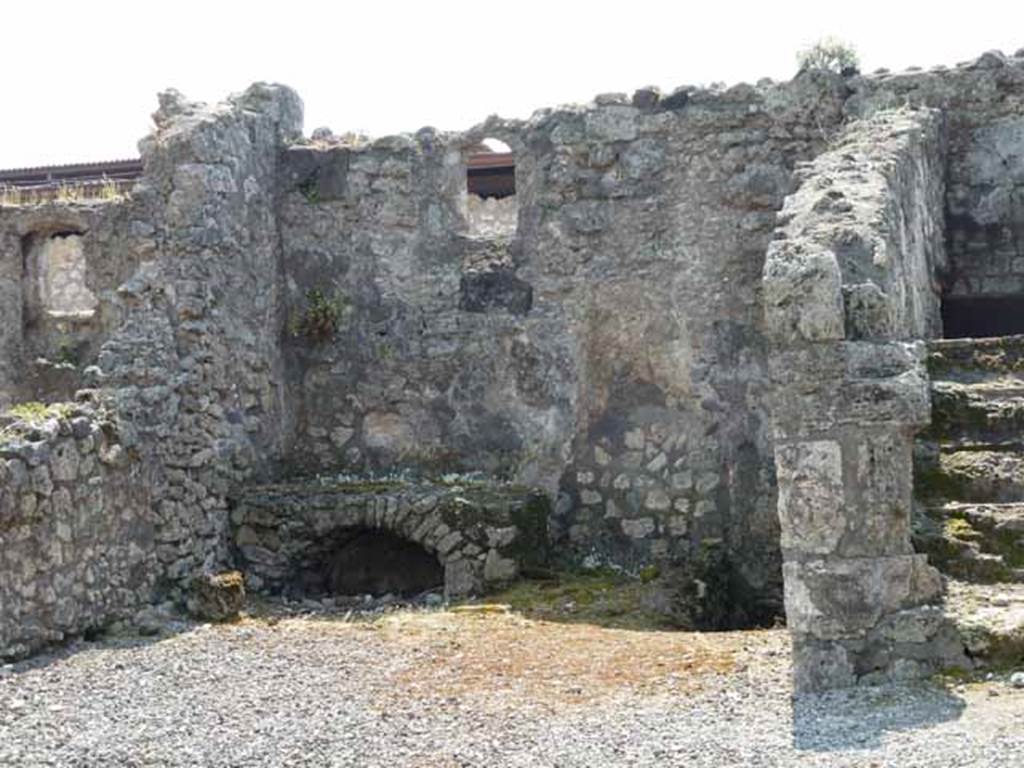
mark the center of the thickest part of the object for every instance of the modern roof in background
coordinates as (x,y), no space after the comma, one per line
(77,173)
(489,173)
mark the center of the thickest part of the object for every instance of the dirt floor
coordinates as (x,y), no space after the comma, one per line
(476,685)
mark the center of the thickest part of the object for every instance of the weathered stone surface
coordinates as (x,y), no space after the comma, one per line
(687,283)
(482,535)
(806,293)
(851,272)
(495,290)
(76,536)
(833,599)
(811,501)
(217,596)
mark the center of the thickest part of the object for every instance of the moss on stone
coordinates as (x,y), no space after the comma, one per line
(935,483)
(959,528)
(649,573)
(531,547)
(601,597)
(23,418)
(36,412)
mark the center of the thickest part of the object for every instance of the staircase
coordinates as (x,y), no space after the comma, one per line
(969,490)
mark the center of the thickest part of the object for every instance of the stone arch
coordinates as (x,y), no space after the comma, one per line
(481,537)
(497,172)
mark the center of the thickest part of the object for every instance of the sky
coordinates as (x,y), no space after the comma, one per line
(80,78)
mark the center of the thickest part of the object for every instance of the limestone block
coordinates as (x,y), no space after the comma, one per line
(639,528)
(498,569)
(217,597)
(822,386)
(657,500)
(811,503)
(64,461)
(612,123)
(837,598)
(803,295)
(462,577)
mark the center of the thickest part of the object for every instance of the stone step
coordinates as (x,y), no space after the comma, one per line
(995,519)
(966,359)
(989,412)
(986,475)
(990,620)
(982,543)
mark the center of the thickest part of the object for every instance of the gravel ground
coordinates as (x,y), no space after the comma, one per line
(447,689)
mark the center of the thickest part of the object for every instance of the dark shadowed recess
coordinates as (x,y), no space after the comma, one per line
(979,317)
(357,561)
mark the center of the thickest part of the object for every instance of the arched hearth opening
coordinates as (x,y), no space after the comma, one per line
(398,538)
(363,561)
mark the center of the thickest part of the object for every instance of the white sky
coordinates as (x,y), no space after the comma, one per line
(79,79)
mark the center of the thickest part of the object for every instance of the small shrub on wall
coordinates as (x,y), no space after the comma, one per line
(829,53)
(321,317)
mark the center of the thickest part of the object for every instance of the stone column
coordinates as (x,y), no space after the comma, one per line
(859,602)
(848,284)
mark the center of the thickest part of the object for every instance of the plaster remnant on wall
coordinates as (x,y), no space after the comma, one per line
(59,264)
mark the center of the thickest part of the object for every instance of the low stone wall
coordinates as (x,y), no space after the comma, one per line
(483,535)
(851,272)
(76,527)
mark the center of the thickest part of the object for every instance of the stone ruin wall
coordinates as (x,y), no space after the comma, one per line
(851,274)
(611,351)
(184,362)
(865,252)
(616,350)
(78,530)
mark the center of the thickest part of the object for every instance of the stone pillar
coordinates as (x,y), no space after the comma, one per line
(859,602)
(848,280)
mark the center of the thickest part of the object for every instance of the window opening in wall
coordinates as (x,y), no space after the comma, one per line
(55,271)
(491,208)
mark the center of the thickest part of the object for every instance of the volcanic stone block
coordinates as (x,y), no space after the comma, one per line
(499,289)
(217,597)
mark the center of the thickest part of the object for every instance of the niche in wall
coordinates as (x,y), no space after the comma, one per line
(54,278)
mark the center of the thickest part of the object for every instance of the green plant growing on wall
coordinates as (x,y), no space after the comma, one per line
(320,318)
(310,189)
(30,414)
(34,412)
(829,53)
(67,352)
